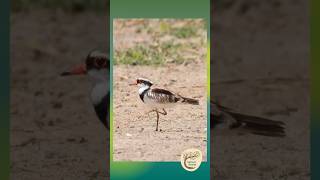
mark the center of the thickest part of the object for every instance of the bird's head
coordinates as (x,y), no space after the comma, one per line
(96,66)
(143,82)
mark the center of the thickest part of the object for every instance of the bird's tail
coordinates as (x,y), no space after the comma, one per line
(189,100)
(260,126)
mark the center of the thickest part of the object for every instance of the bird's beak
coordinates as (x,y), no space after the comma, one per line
(132,84)
(78,70)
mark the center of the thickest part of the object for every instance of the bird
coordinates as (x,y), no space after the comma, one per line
(226,118)
(97,67)
(159,99)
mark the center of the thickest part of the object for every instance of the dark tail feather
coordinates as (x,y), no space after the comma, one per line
(189,101)
(260,126)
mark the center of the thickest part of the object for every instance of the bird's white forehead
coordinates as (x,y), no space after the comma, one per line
(97,53)
(144,79)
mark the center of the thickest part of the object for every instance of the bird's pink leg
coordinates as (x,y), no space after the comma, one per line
(164,112)
(157,119)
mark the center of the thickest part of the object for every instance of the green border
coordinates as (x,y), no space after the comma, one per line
(315,89)
(4,89)
(159,9)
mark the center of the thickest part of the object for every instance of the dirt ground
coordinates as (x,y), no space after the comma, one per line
(185,126)
(260,66)
(55,133)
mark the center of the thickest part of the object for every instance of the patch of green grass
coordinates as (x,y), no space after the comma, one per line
(139,55)
(184,32)
(178,60)
(164,27)
(166,52)
(169,48)
(168,43)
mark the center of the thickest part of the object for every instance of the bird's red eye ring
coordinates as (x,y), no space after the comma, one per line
(100,62)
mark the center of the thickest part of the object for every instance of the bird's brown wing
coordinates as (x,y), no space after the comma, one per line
(162,91)
(163,96)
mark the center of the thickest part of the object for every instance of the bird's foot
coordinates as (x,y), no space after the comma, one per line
(164,112)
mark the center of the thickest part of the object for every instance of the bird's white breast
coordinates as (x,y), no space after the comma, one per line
(100,81)
(98,92)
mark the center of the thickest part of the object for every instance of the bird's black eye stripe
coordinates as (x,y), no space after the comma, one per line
(100,62)
(141,81)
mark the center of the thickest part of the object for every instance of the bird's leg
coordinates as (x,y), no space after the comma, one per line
(164,112)
(157,119)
